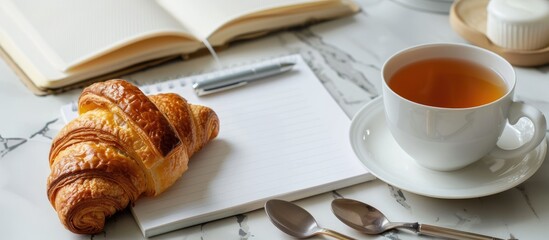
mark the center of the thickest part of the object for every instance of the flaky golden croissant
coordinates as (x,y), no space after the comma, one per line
(123,145)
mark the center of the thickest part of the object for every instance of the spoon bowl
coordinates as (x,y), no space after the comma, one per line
(369,220)
(296,221)
(291,219)
(363,217)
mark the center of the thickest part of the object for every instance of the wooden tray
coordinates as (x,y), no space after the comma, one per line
(468,19)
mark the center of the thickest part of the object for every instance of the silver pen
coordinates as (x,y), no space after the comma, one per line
(240,78)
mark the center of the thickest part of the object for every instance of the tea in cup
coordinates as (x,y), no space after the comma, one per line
(447,104)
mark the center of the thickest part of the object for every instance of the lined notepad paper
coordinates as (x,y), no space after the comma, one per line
(283,137)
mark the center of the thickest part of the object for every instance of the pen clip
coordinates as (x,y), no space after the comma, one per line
(202,92)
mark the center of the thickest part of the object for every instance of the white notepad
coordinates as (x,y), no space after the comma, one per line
(284,137)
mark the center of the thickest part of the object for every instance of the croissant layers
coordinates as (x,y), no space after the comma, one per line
(123,145)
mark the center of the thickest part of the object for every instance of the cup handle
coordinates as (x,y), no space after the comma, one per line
(517,111)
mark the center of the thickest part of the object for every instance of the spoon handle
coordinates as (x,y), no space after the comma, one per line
(335,234)
(435,231)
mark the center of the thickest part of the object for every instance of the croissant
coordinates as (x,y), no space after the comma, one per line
(123,145)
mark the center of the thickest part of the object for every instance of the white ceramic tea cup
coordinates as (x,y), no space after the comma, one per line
(446,139)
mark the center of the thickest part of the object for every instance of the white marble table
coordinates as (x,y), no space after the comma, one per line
(346,55)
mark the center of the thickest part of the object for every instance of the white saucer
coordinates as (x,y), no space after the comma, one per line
(380,153)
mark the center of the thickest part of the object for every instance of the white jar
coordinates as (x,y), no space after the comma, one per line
(518,24)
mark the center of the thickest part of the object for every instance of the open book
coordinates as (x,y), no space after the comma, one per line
(282,137)
(53,44)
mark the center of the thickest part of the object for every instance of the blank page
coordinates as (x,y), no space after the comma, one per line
(206,16)
(282,137)
(69,32)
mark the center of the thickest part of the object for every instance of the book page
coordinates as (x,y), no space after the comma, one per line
(70,32)
(204,17)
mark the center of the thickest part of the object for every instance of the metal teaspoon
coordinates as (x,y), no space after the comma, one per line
(369,220)
(296,221)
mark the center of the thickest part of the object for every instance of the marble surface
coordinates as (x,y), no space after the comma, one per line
(346,55)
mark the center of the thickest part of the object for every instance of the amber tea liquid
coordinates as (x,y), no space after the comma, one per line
(448,83)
